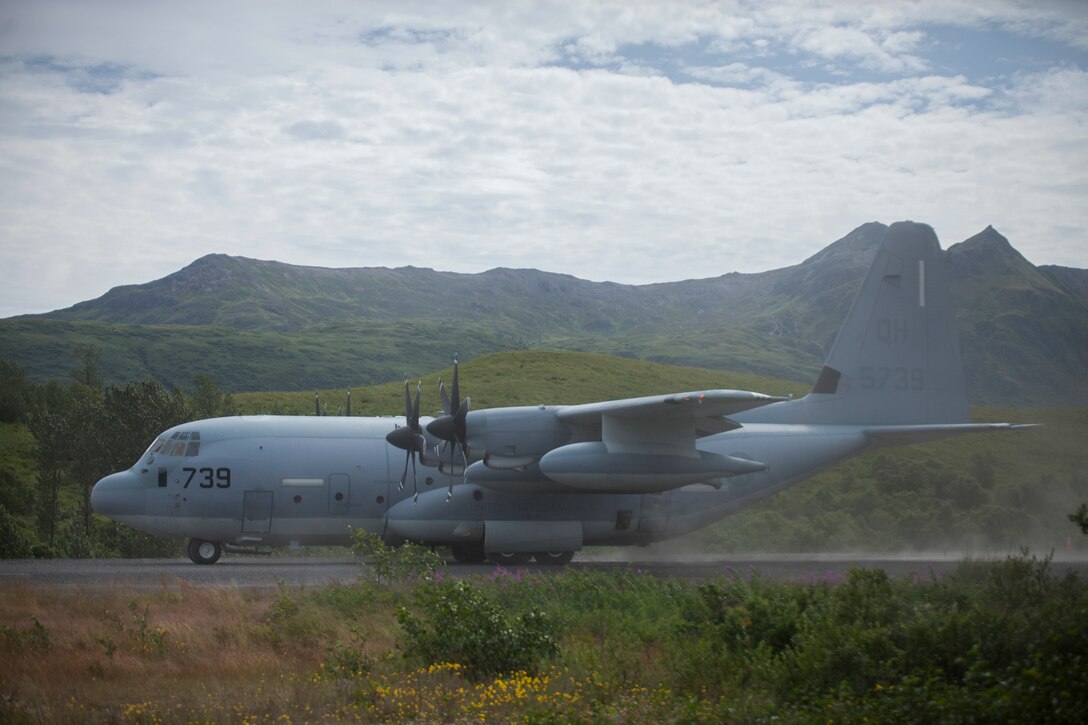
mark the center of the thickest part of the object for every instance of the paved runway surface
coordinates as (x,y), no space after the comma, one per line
(248,572)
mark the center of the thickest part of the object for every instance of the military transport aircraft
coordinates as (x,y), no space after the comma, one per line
(510,484)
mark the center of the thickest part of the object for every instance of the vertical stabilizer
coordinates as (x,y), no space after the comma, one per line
(896,360)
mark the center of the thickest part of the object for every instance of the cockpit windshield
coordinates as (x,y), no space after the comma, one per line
(178,443)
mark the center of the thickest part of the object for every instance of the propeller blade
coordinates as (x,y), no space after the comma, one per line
(415,482)
(444,396)
(453,426)
(415,410)
(404,475)
(456,388)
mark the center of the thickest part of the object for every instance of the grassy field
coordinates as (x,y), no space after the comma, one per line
(993,642)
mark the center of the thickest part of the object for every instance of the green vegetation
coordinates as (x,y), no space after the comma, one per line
(62,438)
(523,378)
(992,492)
(395,564)
(999,641)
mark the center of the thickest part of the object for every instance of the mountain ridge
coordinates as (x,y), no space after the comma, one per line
(312,322)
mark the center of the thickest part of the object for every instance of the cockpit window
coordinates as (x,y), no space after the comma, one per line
(179,443)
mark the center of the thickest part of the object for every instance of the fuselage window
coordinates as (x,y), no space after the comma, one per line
(162,478)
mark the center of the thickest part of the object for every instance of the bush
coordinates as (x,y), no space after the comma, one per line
(16,541)
(392,564)
(460,625)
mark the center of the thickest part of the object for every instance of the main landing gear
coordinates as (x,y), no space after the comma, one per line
(548,558)
(204,552)
(473,553)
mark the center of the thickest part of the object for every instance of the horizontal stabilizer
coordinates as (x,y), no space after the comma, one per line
(895,435)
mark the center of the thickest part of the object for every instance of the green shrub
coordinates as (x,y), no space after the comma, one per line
(34,637)
(348,661)
(16,542)
(396,564)
(458,624)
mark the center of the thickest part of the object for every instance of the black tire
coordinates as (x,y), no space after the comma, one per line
(468,553)
(553,558)
(204,552)
(509,558)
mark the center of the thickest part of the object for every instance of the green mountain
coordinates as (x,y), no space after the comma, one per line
(266,325)
(1018,322)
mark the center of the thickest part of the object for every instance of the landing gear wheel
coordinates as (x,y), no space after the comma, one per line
(553,558)
(468,553)
(204,552)
(508,558)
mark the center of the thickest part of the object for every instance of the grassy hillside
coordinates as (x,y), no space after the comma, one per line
(357,352)
(525,378)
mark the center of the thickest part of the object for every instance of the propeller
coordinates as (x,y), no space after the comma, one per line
(409,438)
(452,427)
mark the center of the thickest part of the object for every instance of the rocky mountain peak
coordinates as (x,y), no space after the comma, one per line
(859,246)
(988,253)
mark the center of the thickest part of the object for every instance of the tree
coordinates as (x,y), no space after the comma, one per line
(135,413)
(208,400)
(87,374)
(14,392)
(1080,518)
(53,433)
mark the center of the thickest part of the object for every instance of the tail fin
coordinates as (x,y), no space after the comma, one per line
(896,360)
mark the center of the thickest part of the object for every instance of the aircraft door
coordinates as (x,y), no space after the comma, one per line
(654,517)
(257,512)
(339,493)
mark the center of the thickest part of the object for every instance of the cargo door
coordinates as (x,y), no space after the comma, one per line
(257,512)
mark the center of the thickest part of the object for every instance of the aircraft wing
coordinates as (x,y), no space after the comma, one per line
(646,445)
(697,404)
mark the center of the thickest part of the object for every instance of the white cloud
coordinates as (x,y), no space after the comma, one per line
(456,138)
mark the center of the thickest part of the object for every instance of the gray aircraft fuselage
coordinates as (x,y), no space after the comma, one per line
(548,480)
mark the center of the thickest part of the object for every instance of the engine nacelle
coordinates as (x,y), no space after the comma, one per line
(591,467)
(509,438)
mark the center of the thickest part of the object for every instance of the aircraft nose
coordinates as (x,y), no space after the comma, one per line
(117,494)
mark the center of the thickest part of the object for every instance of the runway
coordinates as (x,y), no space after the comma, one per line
(270,572)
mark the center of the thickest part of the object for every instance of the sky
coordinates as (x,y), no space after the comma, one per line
(627,141)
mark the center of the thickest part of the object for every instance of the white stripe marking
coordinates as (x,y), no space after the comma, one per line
(921,283)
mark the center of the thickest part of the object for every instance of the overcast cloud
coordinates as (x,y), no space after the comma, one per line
(632,142)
